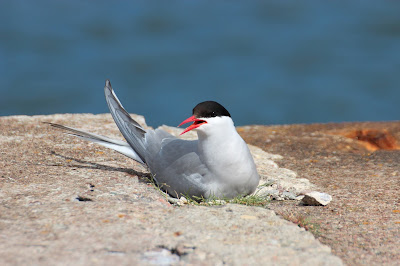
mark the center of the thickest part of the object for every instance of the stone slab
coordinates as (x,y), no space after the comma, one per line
(69,202)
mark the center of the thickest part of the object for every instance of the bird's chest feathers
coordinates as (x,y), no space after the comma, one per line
(225,155)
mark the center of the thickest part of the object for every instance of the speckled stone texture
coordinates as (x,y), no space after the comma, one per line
(358,164)
(69,202)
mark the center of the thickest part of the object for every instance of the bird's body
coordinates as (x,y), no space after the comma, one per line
(218,164)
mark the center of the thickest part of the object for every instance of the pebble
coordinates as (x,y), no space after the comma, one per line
(316,198)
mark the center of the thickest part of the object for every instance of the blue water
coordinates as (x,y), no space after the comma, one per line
(269,62)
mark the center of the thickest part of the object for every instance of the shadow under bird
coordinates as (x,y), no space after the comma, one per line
(218,164)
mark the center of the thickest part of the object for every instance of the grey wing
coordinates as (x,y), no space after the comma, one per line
(176,166)
(130,129)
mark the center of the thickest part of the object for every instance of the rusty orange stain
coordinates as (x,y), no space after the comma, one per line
(372,139)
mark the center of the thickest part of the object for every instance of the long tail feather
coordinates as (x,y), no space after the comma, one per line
(117,145)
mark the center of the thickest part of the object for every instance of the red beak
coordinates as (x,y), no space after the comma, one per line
(196,124)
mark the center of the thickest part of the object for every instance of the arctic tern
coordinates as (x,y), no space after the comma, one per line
(218,164)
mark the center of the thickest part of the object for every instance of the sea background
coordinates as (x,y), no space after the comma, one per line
(267,62)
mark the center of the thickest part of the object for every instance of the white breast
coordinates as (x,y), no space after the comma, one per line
(227,157)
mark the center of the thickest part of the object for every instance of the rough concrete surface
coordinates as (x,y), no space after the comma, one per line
(358,164)
(67,201)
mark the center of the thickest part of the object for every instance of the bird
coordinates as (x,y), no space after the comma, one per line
(216,165)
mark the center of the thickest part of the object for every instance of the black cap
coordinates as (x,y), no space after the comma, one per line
(210,109)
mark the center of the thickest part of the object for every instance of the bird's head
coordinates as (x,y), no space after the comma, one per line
(206,114)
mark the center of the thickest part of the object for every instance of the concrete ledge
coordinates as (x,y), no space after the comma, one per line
(66,201)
